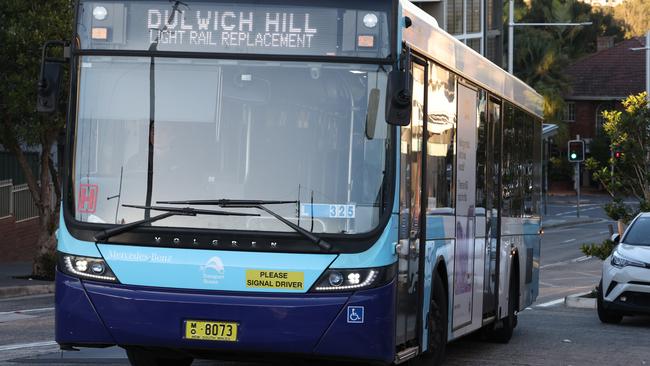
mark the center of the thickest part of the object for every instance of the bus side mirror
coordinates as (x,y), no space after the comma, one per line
(398,98)
(49,86)
(49,81)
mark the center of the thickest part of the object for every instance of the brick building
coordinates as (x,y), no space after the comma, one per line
(599,82)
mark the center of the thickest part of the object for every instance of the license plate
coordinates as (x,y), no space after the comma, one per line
(211,331)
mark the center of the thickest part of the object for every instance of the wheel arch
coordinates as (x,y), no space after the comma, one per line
(440,269)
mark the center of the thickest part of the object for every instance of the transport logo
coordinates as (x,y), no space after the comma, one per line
(213,271)
(87,202)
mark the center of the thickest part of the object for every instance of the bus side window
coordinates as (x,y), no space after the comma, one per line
(441,125)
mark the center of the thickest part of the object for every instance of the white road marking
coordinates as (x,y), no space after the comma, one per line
(547,284)
(581,259)
(568,241)
(5,318)
(26,311)
(550,303)
(11,347)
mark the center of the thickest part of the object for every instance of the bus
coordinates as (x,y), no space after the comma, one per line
(290,179)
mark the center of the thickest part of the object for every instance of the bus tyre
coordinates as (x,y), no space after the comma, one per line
(504,334)
(606,316)
(437,323)
(144,357)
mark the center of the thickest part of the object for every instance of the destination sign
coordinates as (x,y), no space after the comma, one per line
(233,28)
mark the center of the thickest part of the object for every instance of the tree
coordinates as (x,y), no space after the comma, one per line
(629,133)
(24,27)
(543,53)
(636,16)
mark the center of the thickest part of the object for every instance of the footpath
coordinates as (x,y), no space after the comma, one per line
(15,281)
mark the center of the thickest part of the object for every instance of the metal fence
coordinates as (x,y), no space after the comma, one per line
(6,197)
(17,201)
(24,207)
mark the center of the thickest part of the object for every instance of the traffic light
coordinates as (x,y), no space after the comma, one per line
(576,151)
(617,151)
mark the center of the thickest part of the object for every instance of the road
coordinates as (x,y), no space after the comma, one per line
(548,332)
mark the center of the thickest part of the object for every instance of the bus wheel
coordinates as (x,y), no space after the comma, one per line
(503,334)
(438,321)
(145,357)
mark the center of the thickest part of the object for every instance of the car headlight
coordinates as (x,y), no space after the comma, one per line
(619,261)
(86,267)
(353,279)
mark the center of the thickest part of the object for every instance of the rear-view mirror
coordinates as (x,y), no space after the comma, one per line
(49,80)
(49,87)
(616,238)
(398,98)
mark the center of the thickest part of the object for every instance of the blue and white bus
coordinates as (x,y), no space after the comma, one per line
(291,179)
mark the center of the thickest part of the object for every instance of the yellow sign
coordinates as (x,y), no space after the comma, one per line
(280,280)
(211,331)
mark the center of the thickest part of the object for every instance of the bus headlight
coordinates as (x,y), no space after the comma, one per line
(353,279)
(85,267)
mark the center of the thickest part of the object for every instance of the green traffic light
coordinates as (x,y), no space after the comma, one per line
(574,156)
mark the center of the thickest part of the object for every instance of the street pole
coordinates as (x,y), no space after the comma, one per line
(578,184)
(511,36)
(578,189)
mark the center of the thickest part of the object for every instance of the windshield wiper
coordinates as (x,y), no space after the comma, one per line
(259,204)
(170,211)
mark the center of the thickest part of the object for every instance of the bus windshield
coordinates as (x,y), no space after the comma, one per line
(164,129)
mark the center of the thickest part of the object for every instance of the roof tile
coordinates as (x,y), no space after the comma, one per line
(614,72)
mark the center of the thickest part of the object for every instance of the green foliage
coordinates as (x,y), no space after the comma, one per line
(543,53)
(601,251)
(617,210)
(636,16)
(629,131)
(25,26)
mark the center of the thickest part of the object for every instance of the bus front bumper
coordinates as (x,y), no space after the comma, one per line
(304,325)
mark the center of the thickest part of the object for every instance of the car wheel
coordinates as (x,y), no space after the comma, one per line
(606,316)
(144,357)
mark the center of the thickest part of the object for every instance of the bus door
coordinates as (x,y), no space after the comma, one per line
(464,249)
(411,214)
(492,202)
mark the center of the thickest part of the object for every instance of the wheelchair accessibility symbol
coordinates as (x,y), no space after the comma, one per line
(355,314)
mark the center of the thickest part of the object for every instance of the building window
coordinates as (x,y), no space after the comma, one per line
(473,16)
(570,112)
(600,120)
(455,16)
(475,44)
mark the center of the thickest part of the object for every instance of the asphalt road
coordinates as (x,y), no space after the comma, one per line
(553,335)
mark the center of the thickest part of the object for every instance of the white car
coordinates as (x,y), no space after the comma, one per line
(625,286)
